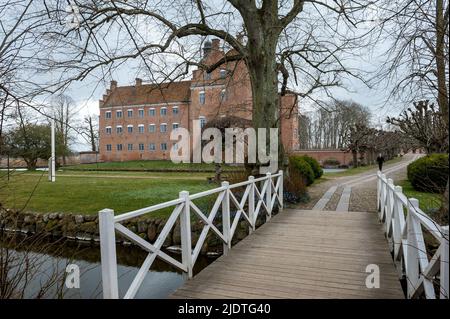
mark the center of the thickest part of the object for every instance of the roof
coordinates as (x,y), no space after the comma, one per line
(148,94)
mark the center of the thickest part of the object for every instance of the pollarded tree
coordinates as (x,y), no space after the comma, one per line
(425,124)
(298,43)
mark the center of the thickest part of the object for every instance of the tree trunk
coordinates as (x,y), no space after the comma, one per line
(440,61)
(355,158)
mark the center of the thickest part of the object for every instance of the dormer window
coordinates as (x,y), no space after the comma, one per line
(207,75)
(223,73)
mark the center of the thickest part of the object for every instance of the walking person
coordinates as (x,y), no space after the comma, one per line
(380,160)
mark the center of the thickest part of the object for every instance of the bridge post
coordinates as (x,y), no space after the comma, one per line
(226,218)
(185,233)
(444,274)
(251,204)
(269,196)
(412,268)
(108,254)
(280,190)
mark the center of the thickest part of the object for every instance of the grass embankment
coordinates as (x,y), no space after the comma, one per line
(428,202)
(156,165)
(84,193)
(361,169)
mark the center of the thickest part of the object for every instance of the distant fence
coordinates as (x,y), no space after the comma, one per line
(405,224)
(255,199)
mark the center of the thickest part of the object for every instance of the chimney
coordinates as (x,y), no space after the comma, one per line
(206,48)
(215,44)
(138,82)
(113,85)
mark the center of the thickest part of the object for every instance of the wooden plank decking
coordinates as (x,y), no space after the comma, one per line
(302,254)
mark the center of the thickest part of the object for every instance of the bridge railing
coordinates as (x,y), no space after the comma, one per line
(254,201)
(404,225)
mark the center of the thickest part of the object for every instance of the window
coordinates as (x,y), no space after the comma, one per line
(130,128)
(119,147)
(175,126)
(151,112)
(163,111)
(207,75)
(151,146)
(108,130)
(141,128)
(130,113)
(223,95)
(108,114)
(119,114)
(202,97)
(175,110)
(141,146)
(163,146)
(175,146)
(141,113)
(202,121)
(130,147)
(119,129)
(163,128)
(223,73)
(151,128)
(109,147)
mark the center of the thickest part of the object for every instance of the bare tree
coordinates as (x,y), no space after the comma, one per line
(63,108)
(417,60)
(282,43)
(89,131)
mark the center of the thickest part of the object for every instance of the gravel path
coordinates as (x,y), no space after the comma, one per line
(363,187)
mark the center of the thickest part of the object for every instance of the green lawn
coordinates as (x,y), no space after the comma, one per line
(360,169)
(149,166)
(427,201)
(83,194)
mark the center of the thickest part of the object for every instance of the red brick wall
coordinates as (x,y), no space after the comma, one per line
(345,158)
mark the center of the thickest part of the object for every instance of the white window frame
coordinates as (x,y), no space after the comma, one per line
(175,108)
(139,128)
(223,73)
(153,126)
(139,112)
(108,128)
(106,114)
(128,146)
(152,109)
(128,112)
(154,147)
(161,110)
(160,127)
(177,124)
(200,94)
(110,147)
(121,129)
(128,126)
(143,147)
(121,114)
(202,118)
(161,146)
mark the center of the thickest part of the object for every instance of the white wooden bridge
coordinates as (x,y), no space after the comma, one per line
(296,253)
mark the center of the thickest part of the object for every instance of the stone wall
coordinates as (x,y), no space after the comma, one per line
(85,228)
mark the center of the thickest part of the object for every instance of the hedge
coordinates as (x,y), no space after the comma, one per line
(303,167)
(318,171)
(429,173)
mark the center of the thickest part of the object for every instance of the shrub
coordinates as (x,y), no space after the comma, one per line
(298,163)
(429,173)
(294,187)
(318,171)
(331,162)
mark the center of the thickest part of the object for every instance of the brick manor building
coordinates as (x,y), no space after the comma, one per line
(136,121)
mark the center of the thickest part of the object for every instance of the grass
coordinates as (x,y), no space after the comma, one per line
(360,169)
(149,166)
(427,201)
(80,194)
